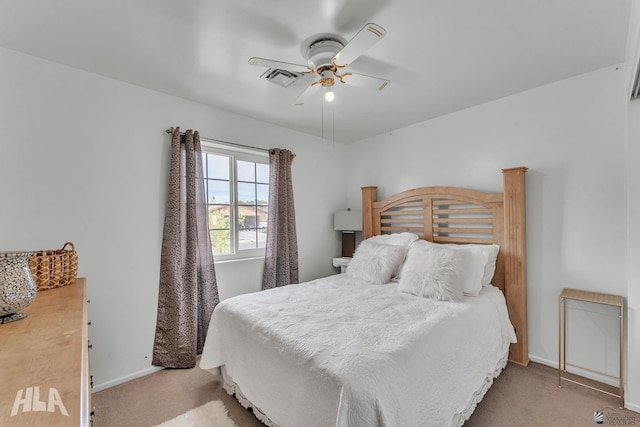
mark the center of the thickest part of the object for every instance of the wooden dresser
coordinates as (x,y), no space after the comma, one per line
(44,362)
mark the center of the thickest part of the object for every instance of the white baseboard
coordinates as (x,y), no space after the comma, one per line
(632,406)
(587,374)
(574,370)
(124,379)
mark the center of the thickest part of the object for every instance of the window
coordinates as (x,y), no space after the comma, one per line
(237,188)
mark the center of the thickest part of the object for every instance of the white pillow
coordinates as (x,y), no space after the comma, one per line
(433,271)
(492,256)
(403,240)
(473,271)
(398,239)
(375,262)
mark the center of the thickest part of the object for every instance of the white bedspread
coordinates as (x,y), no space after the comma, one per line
(342,352)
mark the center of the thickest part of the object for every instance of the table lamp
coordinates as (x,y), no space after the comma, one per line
(348,222)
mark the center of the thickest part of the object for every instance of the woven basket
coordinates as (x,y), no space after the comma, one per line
(54,268)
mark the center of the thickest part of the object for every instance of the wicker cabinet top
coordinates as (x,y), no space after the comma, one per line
(594,297)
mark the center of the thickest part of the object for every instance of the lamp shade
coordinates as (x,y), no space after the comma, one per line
(347,220)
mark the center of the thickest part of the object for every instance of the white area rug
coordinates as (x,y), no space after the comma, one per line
(211,414)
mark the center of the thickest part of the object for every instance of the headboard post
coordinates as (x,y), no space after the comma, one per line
(368,198)
(514,250)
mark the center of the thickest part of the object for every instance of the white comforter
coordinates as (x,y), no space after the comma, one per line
(342,352)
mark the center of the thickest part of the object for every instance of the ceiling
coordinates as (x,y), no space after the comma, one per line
(440,55)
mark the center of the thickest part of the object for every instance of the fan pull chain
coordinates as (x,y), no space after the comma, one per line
(333,122)
(322,118)
(333,126)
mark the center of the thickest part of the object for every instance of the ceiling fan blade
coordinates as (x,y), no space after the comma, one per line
(349,15)
(366,82)
(309,94)
(368,35)
(270,63)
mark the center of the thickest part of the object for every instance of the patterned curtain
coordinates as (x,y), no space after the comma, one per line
(281,261)
(188,288)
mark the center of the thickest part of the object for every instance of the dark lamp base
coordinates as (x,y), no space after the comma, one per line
(348,243)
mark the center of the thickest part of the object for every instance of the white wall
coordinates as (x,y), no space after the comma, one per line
(633,297)
(571,135)
(85,158)
(633,182)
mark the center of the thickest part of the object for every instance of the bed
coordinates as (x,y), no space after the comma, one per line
(375,346)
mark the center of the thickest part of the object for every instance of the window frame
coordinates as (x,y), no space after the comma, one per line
(234,154)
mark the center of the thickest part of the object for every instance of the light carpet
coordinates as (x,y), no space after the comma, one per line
(210,414)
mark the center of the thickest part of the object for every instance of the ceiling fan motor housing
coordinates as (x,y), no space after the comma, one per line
(321,52)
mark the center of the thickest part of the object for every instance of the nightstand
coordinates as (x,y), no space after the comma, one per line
(342,262)
(594,298)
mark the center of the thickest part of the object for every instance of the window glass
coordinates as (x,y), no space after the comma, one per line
(263,214)
(220,242)
(218,191)
(237,188)
(262,195)
(246,193)
(246,171)
(262,173)
(219,216)
(217,166)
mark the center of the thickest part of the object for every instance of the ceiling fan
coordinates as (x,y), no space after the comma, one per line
(327,57)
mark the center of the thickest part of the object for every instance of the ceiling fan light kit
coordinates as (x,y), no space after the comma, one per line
(325,56)
(329,96)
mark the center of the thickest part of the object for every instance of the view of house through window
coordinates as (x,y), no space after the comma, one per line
(237,189)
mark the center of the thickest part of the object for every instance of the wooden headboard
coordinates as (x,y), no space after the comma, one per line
(461,215)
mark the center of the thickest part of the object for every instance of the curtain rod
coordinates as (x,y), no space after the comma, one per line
(226,142)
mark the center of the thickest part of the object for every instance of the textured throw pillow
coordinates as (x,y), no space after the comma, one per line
(472,266)
(404,240)
(433,271)
(399,239)
(375,262)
